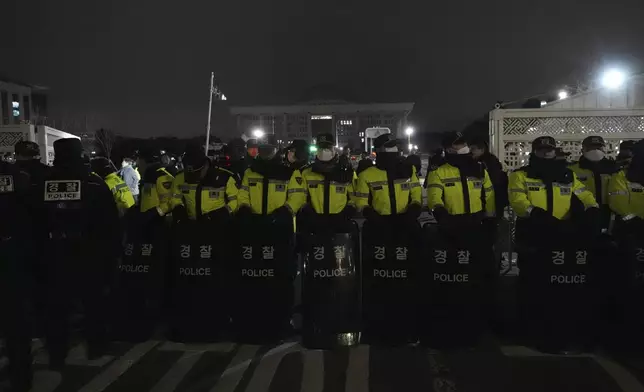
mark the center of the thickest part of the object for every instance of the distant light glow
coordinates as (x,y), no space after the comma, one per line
(325,117)
(544,103)
(411,147)
(409,131)
(15,104)
(563,94)
(613,79)
(258,133)
(415,147)
(223,97)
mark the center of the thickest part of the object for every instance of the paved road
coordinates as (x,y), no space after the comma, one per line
(226,367)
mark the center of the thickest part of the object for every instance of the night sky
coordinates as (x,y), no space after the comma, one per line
(142,67)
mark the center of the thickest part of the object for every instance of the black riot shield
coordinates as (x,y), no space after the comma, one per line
(389,293)
(260,273)
(140,291)
(457,290)
(331,289)
(198,311)
(557,294)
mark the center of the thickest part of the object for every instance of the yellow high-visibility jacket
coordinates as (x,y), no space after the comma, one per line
(122,194)
(283,188)
(591,180)
(445,189)
(156,189)
(218,189)
(526,193)
(373,182)
(340,191)
(625,198)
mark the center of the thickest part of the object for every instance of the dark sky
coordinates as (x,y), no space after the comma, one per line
(142,67)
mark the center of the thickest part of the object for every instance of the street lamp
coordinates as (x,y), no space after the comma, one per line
(409,131)
(613,79)
(258,133)
(563,94)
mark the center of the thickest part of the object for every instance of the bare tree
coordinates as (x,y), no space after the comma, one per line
(104,139)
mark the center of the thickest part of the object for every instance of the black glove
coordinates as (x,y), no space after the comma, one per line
(220,214)
(541,216)
(349,212)
(307,213)
(282,215)
(371,215)
(441,215)
(179,214)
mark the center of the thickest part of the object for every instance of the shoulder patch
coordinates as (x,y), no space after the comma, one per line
(167,184)
(6,184)
(61,190)
(299,180)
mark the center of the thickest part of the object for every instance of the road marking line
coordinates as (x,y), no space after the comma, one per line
(177,372)
(236,368)
(313,371)
(213,347)
(623,377)
(263,375)
(358,370)
(118,367)
(626,381)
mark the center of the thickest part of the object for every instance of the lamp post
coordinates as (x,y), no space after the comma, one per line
(409,131)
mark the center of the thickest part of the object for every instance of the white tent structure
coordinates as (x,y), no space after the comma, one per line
(614,114)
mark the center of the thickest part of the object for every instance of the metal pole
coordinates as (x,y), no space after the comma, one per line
(212,82)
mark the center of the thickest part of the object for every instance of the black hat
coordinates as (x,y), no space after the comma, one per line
(627,145)
(149,154)
(66,150)
(386,140)
(480,142)
(298,144)
(27,149)
(195,157)
(544,142)
(325,140)
(102,166)
(451,138)
(251,143)
(594,141)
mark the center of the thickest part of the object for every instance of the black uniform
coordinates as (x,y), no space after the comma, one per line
(15,271)
(81,246)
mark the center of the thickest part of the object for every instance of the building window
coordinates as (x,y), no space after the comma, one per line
(4,106)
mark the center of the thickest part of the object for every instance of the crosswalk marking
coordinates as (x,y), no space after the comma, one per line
(213,347)
(233,374)
(358,370)
(261,380)
(313,372)
(118,367)
(173,377)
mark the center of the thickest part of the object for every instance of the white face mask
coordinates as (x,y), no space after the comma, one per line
(463,151)
(594,155)
(125,164)
(391,149)
(325,155)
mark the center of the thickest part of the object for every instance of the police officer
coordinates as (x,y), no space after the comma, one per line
(105,169)
(460,192)
(542,192)
(626,153)
(626,193)
(391,184)
(297,155)
(594,170)
(329,186)
(216,189)
(269,187)
(28,160)
(81,245)
(155,184)
(15,271)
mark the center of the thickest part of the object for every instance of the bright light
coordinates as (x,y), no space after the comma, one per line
(409,131)
(15,104)
(613,79)
(563,94)
(415,147)
(258,133)
(223,97)
(313,149)
(411,147)
(544,103)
